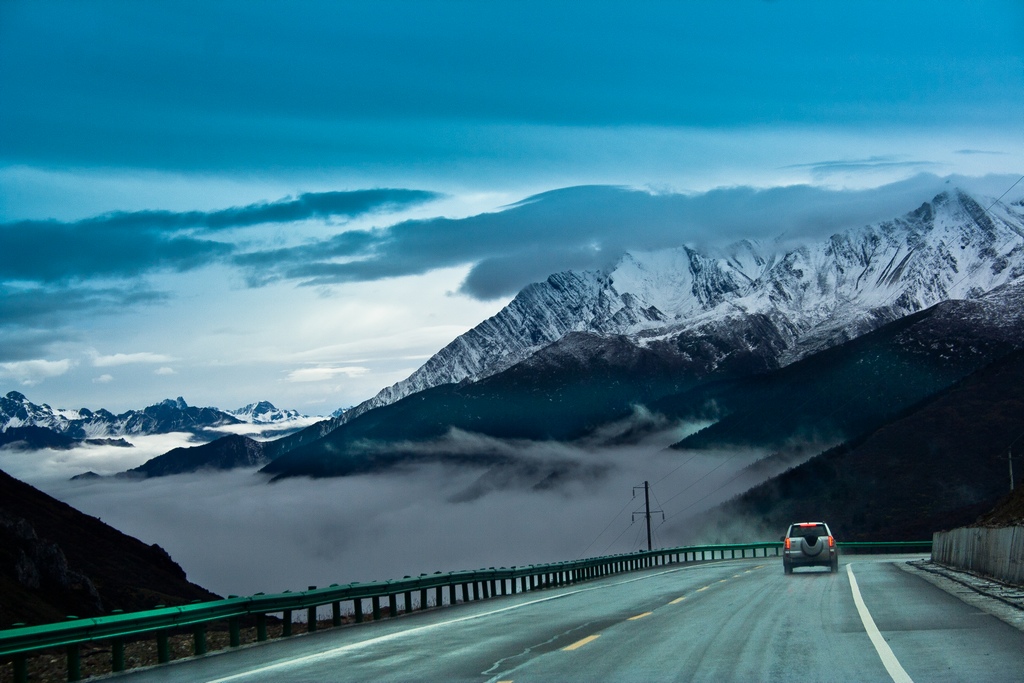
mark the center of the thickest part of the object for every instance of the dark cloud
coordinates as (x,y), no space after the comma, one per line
(39,306)
(51,252)
(306,206)
(823,169)
(129,244)
(583,227)
(33,319)
(220,86)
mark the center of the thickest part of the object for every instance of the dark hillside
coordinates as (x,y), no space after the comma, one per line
(56,561)
(1009,511)
(940,466)
(562,393)
(225,453)
(845,391)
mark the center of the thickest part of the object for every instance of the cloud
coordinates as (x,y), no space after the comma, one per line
(33,319)
(127,359)
(165,371)
(30,372)
(129,244)
(49,306)
(583,227)
(325,374)
(823,169)
(546,503)
(978,151)
(103,379)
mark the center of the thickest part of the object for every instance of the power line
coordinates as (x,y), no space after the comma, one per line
(584,553)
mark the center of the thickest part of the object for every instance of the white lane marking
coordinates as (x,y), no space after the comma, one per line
(892,665)
(334,652)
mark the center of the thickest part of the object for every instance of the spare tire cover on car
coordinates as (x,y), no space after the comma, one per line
(809,548)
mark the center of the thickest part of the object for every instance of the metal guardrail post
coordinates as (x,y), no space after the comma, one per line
(375,602)
(393,605)
(261,627)
(199,639)
(74,662)
(408,602)
(423,598)
(163,647)
(287,618)
(336,613)
(20,668)
(311,615)
(357,608)
(117,655)
(234,632)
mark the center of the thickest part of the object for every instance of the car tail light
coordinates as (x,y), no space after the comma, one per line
(787,543)
(831,542)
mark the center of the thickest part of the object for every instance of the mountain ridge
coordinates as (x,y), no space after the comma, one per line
(814,295)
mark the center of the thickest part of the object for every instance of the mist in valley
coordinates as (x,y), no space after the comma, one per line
(236,533)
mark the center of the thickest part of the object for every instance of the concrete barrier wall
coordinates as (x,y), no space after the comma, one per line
(997,553)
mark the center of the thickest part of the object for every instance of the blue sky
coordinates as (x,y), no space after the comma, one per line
(235,201)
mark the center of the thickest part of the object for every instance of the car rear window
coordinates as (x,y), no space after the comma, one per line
(810,530)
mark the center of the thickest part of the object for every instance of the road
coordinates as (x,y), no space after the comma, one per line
(734,620)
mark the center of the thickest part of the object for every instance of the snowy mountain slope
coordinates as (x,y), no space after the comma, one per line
(264,412)
(806,297)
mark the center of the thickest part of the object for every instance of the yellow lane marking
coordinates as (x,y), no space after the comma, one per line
(703,589)
(640,616)
(580,643)
(677,600)
(723,580)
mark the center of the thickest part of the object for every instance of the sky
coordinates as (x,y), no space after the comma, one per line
(302,201)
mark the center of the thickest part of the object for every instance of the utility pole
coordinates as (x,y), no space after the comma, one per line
(1009,459)
(647,510)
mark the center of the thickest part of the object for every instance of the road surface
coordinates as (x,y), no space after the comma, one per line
(733,620)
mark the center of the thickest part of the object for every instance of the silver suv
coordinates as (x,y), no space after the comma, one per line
(809,544)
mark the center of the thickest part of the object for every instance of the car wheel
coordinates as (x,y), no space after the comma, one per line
(835,565)
(787,568)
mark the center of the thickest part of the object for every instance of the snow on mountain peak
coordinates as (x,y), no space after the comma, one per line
(813,293)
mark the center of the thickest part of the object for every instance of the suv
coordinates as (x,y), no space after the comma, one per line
(809,544)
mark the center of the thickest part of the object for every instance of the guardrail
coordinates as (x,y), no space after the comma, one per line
(17,643)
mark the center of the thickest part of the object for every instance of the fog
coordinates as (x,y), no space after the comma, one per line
(235,533)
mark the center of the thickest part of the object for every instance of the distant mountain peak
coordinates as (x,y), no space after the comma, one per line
(264,412)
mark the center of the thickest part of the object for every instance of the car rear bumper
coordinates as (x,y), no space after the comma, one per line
(800,560)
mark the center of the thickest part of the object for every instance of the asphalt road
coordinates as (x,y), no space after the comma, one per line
(735,620)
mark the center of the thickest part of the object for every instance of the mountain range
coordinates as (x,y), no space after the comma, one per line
(40,426)
(796,348)
(709,335)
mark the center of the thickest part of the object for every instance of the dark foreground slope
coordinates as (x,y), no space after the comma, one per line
(56,561)
(939,466)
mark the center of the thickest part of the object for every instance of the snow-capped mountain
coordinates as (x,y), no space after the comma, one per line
(170,415)
(797,299)
(264,412)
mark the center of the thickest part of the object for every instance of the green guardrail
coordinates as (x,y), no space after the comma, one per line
(16,644)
